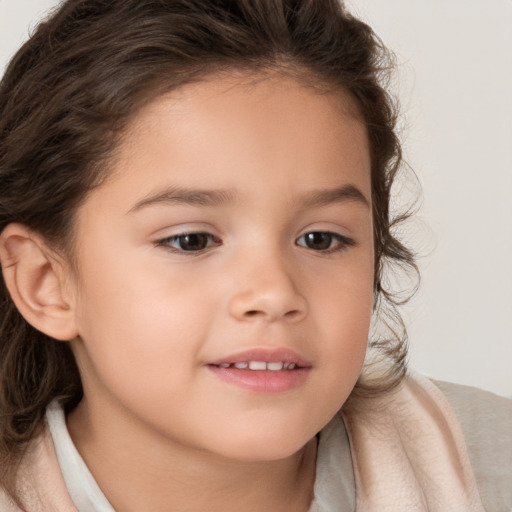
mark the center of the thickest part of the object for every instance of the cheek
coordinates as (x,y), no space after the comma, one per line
(138,296)
(343,312)
(139,324)
(346,331)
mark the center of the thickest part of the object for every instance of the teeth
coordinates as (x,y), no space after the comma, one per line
(275,366)
(257,365)
(260,365)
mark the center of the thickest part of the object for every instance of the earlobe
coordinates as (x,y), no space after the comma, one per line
(36,282)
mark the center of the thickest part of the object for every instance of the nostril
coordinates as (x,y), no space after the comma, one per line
(290,315)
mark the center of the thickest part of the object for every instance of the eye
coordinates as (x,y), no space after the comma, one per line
(189,242)
(324,241)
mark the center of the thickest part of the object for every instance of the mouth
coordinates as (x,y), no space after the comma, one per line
(263,371)
(273,366)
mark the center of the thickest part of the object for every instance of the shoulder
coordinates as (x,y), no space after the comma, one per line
(486,420)
(39,483)
(6,503)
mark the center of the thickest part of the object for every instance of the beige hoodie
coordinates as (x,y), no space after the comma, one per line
(408,455)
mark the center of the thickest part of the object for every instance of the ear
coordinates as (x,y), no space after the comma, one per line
(36,279)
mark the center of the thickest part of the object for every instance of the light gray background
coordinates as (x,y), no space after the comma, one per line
(455,84)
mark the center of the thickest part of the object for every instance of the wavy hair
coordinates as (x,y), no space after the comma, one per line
(86,71)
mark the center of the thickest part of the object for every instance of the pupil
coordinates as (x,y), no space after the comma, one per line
(318,241)
(194,242)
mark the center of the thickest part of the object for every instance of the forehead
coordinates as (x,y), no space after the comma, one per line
(247,129)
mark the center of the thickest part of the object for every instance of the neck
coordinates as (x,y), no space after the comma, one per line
(155,476)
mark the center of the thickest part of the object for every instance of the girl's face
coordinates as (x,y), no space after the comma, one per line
(236,228)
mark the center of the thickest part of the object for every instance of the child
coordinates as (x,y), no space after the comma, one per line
(194,218)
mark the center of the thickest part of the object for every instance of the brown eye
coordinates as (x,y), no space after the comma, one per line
(193,242)
(324,241)
(189,242)
(318,240)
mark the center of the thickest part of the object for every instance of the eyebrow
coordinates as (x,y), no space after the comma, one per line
(193,197)
(345,193)
(212,198)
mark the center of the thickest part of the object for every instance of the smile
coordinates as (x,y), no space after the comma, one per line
(262,370)
(274,366)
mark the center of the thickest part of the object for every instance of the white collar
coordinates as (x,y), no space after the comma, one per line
(334,484)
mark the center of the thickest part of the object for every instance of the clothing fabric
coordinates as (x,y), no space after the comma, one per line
(408,453)
(423,447)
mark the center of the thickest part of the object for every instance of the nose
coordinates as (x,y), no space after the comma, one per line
(267,291)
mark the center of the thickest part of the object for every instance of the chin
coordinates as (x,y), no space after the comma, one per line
(263,448)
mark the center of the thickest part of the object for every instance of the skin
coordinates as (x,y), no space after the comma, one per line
(158,429)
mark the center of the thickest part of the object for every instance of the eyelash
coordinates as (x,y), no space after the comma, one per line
(342,242)
(166,242)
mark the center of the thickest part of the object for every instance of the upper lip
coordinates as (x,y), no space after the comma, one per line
(267,355)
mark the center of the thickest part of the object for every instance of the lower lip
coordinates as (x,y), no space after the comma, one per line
(262,381)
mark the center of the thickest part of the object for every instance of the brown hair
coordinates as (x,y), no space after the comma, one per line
(71,90)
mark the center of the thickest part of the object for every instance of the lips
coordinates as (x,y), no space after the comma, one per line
(279,355)
(262,370)
(260,365)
